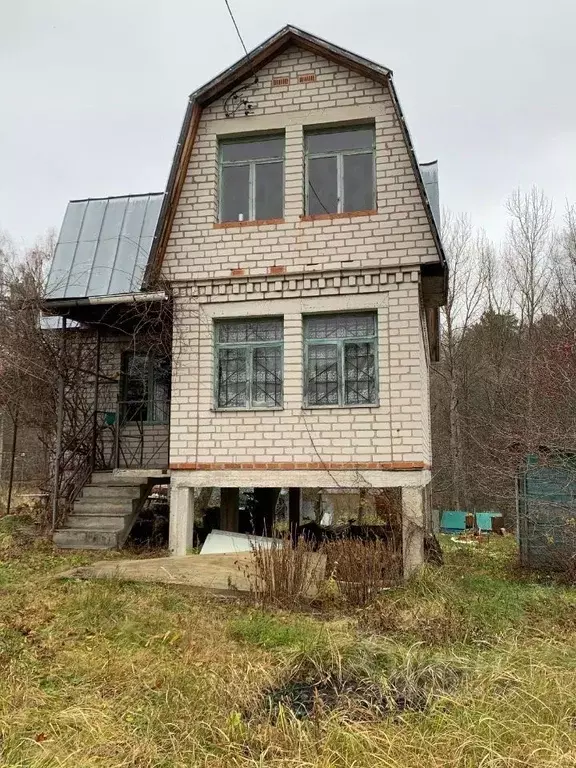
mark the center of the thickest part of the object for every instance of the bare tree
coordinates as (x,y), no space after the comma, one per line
(530,245)
(466,298)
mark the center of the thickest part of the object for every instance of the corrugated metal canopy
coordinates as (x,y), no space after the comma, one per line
(103,247)
(429,173)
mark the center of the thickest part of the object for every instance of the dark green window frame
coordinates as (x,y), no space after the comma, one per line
(332,197)
(341,360)
(257,162)
(249,363)
(145,388)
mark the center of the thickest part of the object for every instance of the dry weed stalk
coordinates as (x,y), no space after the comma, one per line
(284,573)
(363,568)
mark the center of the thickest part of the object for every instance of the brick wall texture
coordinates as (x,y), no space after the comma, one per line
(296,266)
(145,445)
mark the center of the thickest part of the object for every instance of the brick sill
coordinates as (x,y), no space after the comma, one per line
(255,223)
(246,410)
(330,216)
(338,407)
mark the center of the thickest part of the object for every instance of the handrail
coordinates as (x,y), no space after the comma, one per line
(140,415)
(78,458)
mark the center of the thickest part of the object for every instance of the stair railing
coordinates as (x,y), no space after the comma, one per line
(79,457)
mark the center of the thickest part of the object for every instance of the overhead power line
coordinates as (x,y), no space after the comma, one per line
(316,195)
(236,27)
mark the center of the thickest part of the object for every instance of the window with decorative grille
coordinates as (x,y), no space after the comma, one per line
(340,170)
(340,359)
(249,366)
(252,178)
(145,388)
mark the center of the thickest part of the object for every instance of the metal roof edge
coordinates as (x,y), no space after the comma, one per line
(115,197)
(118,298)
(418,174)
(274,44)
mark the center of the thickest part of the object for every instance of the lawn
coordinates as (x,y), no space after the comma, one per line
(470,665)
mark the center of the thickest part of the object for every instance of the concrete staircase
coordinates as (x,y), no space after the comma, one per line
(104,512)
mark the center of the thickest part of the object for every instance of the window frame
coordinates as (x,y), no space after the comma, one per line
(150,401)
(339,154)
(249,346)
(340,344)
(248,138)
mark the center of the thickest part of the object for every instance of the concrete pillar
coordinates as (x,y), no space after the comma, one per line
(181,520)
(294,497)
(229,509)
(413,529)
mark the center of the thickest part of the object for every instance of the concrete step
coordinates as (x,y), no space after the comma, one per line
(112,481)
(103,507)
(104,513)
(77,538)
(100,491)
(98,522)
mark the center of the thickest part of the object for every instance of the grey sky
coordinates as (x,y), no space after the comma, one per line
(92,92)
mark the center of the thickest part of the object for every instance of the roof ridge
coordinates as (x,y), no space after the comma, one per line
(115,197)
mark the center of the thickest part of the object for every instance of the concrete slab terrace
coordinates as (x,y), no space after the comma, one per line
(224,574)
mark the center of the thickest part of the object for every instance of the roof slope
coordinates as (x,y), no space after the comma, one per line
(103,246)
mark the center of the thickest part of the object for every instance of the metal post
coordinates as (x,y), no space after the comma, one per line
(12,458)
(59,427)
(142,438)
(117,440)
(294,503)
(96,392)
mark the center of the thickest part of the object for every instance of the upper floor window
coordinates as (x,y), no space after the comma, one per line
(340,359)
(249,363)
(340,170)
(145,388)
(252,178)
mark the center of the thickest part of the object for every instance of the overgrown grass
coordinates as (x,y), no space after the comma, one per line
(470,665)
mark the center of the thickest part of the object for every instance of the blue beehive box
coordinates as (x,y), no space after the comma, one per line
(453,521)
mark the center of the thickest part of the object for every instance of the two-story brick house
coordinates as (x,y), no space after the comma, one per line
(301,252)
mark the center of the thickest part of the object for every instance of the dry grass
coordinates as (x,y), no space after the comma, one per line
(103,674)
(284,574)
(362,569)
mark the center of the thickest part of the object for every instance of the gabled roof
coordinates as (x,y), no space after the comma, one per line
(103,246)
(236,74)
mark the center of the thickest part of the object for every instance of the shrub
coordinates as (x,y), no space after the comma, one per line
(285,573)
(362,569)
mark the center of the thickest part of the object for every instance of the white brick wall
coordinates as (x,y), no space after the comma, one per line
(390,432)
(150,447)
(397,235)
(368,261)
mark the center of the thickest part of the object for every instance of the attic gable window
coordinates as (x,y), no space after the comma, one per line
(340,170)
(252,178)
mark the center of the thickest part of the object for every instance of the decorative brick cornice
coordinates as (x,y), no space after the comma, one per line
(324,466)
(281,284)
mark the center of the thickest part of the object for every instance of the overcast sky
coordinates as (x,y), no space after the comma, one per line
(92,92)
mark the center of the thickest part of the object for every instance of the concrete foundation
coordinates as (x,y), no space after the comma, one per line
(413,529)
(411,484)
(181,519)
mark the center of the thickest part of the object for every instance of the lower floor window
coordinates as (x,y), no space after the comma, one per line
(249,363)
(145,388)
(340,359)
